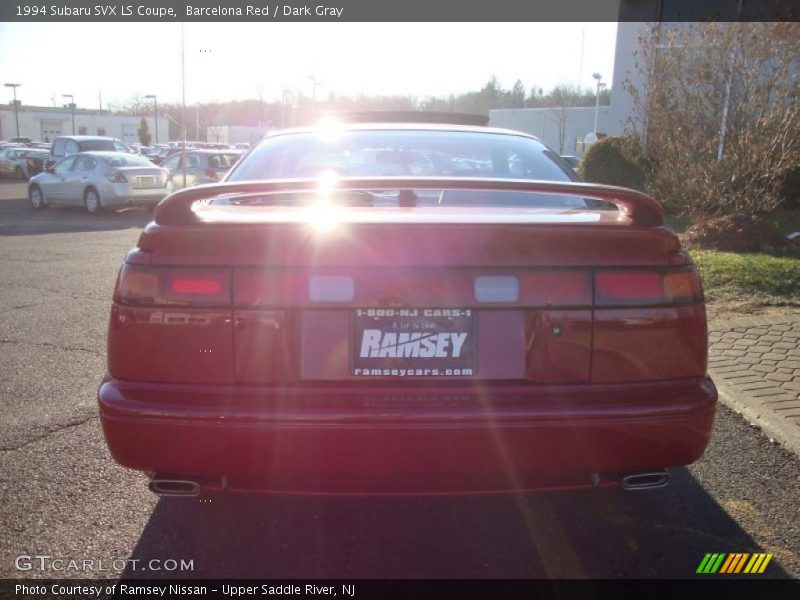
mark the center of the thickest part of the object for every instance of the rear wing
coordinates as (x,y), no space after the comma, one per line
(178,208)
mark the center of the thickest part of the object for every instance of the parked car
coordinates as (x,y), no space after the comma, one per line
(157,153)
(202,166)
(218,146)
(572,161)
(301,328)
(68,145)
(36,161)
(21,162)
(98,180)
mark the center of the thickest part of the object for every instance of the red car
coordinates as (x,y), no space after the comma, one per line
(406,309)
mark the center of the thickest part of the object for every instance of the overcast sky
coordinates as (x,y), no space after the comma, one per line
(244,60)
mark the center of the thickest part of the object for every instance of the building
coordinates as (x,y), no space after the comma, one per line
(562,129)
(636,18)
(234,134)
(43,123)
(552,125)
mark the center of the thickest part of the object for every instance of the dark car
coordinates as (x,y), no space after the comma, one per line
(573,161)
(406,309)
(202,166)
(21,162)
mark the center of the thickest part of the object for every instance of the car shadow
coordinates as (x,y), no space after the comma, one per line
(603,533)
(18,218)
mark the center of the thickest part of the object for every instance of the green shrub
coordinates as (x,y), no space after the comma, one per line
(614,160)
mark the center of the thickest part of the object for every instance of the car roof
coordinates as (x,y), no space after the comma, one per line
(107,154)
(210,151)
(407,127)
(84,138)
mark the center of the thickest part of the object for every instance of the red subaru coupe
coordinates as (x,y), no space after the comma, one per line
(406,309)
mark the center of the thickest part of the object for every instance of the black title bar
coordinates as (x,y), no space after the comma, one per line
(266,11)
(481,589)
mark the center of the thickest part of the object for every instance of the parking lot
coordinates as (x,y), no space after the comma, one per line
(64,497)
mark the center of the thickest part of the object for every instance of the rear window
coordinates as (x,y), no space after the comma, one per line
(398,153)
(96,145)
(386,153)
(130,160)
(222,161)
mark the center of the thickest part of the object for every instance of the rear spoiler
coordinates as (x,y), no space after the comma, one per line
(641,209)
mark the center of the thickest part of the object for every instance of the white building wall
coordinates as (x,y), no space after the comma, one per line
(42,122)
(233,134)
(628,71)
(544,124)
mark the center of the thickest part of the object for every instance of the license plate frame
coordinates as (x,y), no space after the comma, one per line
(428,343)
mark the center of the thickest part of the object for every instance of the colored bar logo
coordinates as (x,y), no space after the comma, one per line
(737,562)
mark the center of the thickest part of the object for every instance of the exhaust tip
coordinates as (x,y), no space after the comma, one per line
(648,480)
(174,487)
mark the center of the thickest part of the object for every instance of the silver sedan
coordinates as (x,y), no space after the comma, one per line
(98,180)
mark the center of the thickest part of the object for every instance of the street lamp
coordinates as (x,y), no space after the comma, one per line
(591,137)
(155,109)
(287,107)
(314,84)
(72,106)
(598,77)
(14,87)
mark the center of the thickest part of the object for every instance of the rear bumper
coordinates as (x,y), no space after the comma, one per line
(409,440)
(124,194)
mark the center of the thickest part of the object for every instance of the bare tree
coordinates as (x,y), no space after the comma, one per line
(562,98)
(722,114)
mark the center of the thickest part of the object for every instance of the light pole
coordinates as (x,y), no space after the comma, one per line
(72,106)
(314,84)
(155,110)
(591,137)
(14,87)
(286,108)
(598,77)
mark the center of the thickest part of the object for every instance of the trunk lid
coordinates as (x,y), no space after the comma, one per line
(271,296)
(144,177)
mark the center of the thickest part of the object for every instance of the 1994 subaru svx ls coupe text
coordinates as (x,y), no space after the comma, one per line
(406,309)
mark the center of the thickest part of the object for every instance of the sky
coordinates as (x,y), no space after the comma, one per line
(227,61)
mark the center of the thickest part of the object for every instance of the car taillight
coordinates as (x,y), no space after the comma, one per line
(158,286)
(116,177)
(638,287)
(211,174)
(557,288)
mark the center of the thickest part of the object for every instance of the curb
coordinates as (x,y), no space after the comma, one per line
(771,427)
(747,322)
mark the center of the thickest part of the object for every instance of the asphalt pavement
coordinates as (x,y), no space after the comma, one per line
(64,497)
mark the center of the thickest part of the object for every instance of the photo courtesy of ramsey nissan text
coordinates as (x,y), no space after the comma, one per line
(391,300)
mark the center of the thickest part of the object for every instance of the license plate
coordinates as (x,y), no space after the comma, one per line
(147,181)
(413,342)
